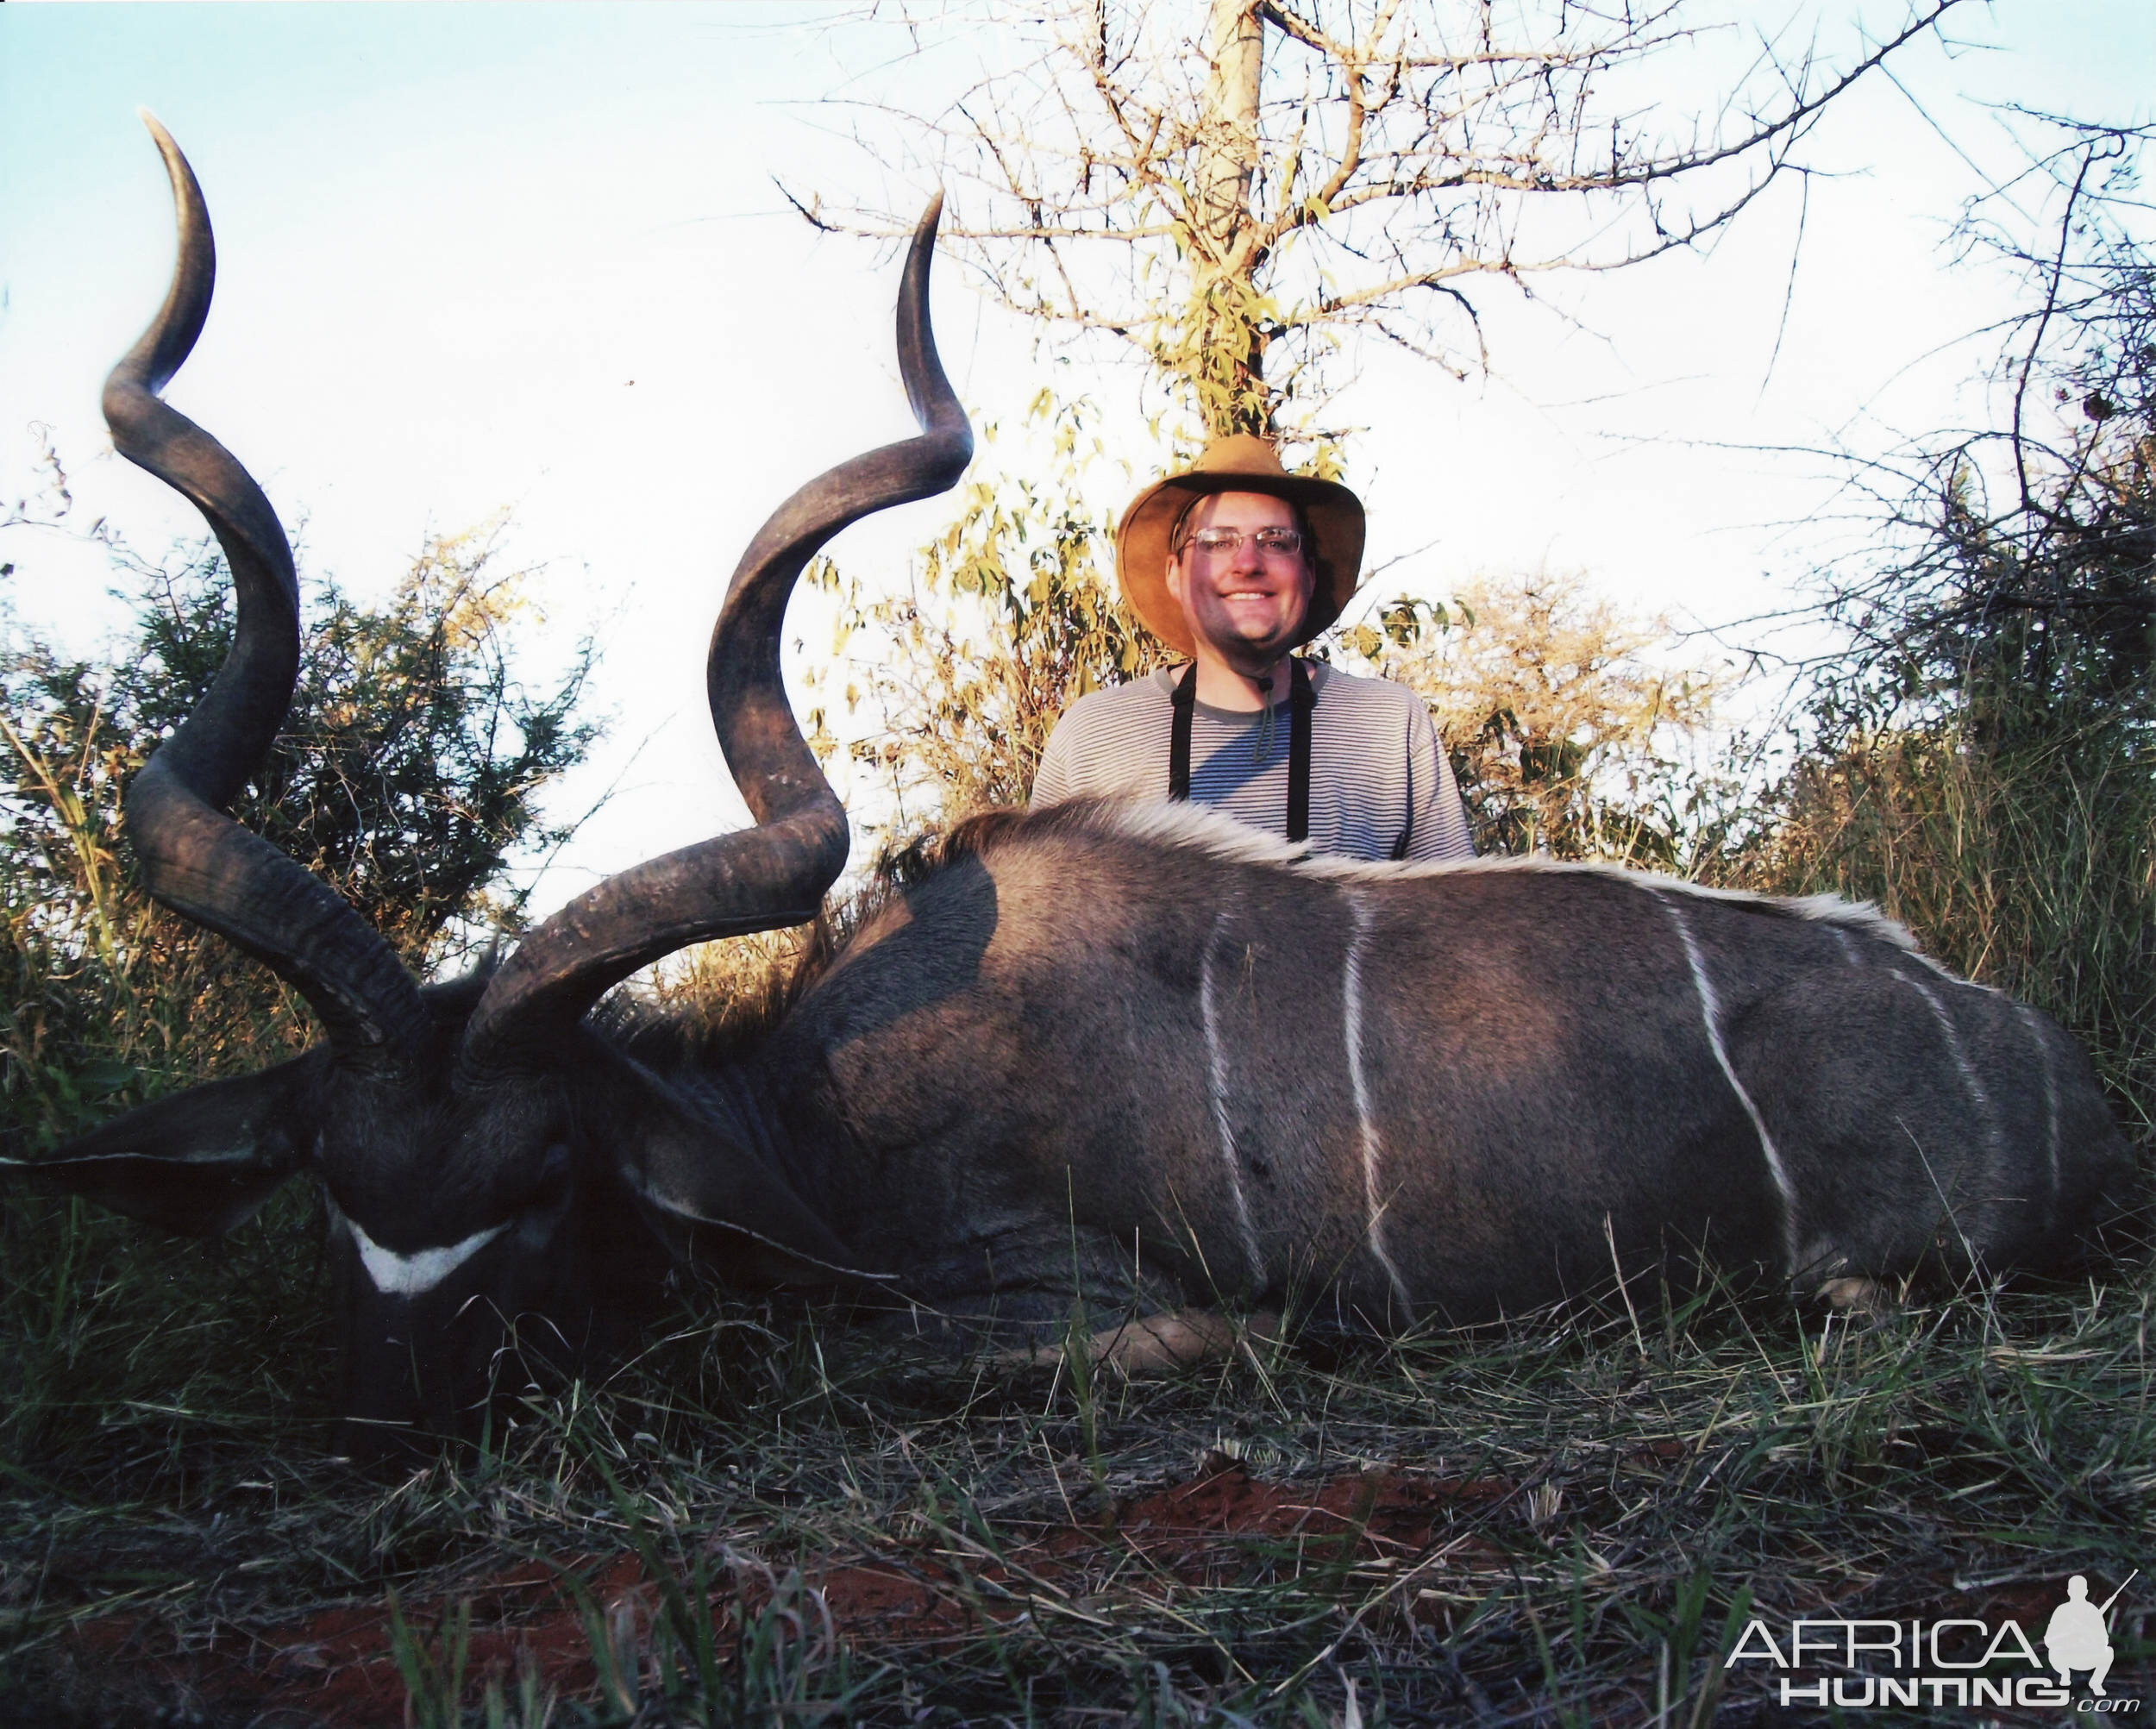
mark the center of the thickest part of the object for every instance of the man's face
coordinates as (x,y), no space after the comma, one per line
(1247,605)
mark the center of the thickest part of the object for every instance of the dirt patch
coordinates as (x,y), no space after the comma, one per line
(1370,1512)
(932,1581)
(337,1666)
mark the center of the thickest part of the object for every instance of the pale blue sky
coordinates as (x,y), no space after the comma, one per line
(451,237)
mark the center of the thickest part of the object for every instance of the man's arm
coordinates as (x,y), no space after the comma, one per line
(1438,815)
(1112,743)
(1051,780)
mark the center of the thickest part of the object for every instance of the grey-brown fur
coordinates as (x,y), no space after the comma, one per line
(1003,1064)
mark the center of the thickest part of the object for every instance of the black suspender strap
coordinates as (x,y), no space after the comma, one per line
(1302,701)
(1184,704)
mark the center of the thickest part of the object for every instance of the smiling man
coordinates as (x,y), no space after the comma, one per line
(1237,563)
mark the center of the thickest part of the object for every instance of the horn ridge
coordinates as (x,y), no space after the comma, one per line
(774,874)
(162,349)
(928,391)
(194,859)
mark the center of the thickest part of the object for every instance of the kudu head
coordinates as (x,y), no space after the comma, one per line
(489,1164)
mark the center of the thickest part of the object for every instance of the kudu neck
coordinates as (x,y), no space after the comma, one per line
(731,1097)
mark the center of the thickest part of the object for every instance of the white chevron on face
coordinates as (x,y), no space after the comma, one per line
(412,1275)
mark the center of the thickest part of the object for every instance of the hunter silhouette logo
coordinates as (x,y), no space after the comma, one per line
(1952,1661)
(2078,1635)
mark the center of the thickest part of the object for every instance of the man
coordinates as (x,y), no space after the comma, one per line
(1237,563)
(2076,1637)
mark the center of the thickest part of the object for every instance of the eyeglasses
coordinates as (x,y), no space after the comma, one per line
(1226,542)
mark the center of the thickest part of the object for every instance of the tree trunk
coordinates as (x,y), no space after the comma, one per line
(1226,353)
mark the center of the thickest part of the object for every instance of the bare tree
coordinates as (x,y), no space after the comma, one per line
(2007,576)
(1232,201)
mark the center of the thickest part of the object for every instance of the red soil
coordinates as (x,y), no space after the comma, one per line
(335,1667)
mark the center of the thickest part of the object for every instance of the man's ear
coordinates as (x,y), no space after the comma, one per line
(201,1161)
(1175,579)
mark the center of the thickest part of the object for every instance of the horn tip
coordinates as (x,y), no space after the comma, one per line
(168,146)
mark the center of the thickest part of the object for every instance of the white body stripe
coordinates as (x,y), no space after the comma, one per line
(412,1275)
(1352,1016)
(2051,1100)
(1216,1090)
(1969,1076)
(1710,1013)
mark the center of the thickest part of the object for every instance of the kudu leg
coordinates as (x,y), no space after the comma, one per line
(1156,1344)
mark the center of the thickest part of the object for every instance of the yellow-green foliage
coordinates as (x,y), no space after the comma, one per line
(408,769)
(1572,730)
(1011,615)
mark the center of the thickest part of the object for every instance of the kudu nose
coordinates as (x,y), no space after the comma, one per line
(405,1375)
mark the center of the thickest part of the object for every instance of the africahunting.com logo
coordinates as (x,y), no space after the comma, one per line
(1951,1662)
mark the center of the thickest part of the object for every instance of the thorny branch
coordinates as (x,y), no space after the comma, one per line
(2044,601)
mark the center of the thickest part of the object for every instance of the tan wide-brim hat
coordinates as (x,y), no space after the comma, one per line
(1243,463)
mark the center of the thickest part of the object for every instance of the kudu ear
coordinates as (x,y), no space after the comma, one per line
(706,1190)
(201,1161)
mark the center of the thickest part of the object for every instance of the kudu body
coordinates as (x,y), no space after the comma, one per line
(1135,1055)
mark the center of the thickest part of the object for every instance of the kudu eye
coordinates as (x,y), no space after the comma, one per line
(553,1180)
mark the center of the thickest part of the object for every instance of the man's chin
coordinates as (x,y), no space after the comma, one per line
(1255,660)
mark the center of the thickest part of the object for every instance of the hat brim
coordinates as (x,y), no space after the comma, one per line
(1335,516)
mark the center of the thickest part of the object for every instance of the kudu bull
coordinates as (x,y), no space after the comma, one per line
(1136,1054)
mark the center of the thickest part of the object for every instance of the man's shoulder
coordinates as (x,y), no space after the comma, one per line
(1109,742)
(1366,695)
(1117,705)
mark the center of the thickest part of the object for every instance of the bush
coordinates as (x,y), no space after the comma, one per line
(1570,731)
(411,769)
(1982,758)
(1013,616)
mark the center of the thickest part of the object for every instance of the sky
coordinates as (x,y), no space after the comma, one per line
(533,259)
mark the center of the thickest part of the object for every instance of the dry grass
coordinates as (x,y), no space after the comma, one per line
(775,1516)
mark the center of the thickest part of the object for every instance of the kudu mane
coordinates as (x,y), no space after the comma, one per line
(726,1029)
(1194,830)
(729,1030)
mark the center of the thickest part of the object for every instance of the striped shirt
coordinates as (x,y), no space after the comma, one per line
(1380,785)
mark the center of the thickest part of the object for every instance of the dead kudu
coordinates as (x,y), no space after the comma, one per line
(1137,1056)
